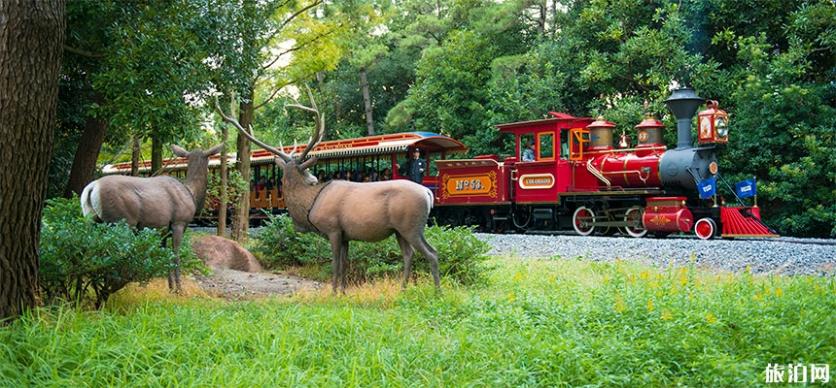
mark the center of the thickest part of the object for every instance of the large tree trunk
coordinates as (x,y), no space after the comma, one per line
(136,150)
(554,17)
(86,155)
(367,100)
(241,220)
(31,41)
(224,183)
(156,154)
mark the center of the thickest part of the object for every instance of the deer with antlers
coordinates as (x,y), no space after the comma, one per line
(344,211)
(155,202)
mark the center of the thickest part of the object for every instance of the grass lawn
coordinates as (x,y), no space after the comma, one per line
(537,322)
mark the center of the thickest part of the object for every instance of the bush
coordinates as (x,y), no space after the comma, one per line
(461,255)
(82,261)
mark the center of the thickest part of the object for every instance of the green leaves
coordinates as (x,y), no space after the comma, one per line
(461,255)
(86,262)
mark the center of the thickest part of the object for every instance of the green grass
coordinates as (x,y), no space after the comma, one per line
(544,322)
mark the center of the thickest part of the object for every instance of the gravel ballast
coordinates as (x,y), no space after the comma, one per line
(780,256)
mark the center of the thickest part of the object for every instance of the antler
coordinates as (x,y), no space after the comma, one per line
(319,120)
(287,158)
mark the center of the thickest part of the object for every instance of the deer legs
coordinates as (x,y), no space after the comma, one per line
(407,252)
(177,231)
(336,260)
(339,259)
(408,248)
(344,265)
(164,244)
(432,256)
(339,262)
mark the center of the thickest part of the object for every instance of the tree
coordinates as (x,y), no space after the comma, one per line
(32,33)
(449,94)
(367,48)
(87,40)
(250,55)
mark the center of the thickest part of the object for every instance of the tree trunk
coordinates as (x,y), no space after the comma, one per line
(541,22)
(367,100)
(136,150)
(224,183)
(86,155)
(31,41)
(241,220)
(156,155)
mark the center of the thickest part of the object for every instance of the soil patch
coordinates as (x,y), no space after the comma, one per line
(232,284)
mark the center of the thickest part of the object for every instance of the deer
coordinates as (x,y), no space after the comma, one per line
(343,211)
(161,202)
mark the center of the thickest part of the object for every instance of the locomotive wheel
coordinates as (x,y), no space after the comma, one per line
(521,217)
(633,217)
(607,230)
(705,228)
(582,221)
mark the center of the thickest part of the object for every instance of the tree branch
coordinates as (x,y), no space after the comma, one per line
(298,47)
(273,95)
(83,53)
(248,134)
(299,12)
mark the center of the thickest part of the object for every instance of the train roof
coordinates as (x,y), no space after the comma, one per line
(557,120)
(330,149)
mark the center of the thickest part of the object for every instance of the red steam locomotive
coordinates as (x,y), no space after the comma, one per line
(573,177)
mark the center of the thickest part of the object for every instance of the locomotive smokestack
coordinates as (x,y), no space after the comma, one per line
(683,103)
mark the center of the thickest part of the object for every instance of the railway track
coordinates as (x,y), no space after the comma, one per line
(792,240)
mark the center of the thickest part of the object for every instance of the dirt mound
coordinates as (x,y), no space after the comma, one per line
(232,284)
(221,253)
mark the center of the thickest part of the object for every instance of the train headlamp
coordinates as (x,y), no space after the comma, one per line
(722,127)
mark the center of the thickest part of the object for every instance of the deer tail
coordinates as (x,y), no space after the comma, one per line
(90,203)
(429,199)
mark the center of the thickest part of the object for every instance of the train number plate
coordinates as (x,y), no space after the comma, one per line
(456,185)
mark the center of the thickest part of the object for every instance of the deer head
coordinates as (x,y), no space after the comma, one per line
(196,158)
(295,168)
(197,170)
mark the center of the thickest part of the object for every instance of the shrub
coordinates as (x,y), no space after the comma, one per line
(82,261)
(461,255)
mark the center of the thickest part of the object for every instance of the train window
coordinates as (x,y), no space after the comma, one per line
(564,144)
(526,141)
(545,147)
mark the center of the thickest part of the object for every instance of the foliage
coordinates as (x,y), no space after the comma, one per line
(236,187)
(82,261)
(787,120)
(461,255)
(540,323)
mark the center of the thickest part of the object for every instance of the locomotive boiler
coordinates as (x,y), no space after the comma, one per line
(651,164)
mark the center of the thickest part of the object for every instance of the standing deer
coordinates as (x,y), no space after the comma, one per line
(342,211)
(156,202)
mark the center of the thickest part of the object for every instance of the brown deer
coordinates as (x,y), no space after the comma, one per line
(155,202)
(342,211)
